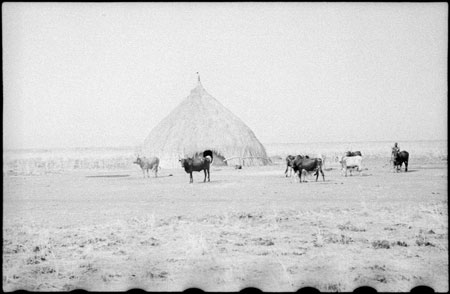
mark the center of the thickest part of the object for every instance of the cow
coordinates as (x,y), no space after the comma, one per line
(351,162)
(301,164)
(289,163)
(350,153)
(196,164)
(147,164)
(399,158)
(318,155)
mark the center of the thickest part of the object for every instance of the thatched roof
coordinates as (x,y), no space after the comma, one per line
(199,123)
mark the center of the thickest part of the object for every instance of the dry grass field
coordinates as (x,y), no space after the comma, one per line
(114,230)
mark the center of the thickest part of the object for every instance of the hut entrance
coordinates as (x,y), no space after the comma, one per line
(218,159)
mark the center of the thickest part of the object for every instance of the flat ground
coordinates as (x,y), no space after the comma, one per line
(253,227)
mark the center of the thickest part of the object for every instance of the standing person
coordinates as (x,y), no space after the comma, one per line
(395,149)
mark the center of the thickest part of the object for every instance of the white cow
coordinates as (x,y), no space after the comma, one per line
(351,162)
(147,164)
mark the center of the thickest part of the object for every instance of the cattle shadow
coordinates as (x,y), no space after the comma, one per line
(366,175)
(212,182)
(326,182)
(403,171)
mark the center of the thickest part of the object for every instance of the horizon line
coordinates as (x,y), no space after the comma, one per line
(263,143)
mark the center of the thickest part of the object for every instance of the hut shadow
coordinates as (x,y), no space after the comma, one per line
(165,176)
(151,178)
(108,176)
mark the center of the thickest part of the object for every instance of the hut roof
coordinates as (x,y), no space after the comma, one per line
(199,123)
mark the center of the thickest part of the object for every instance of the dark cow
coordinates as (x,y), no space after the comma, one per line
(399,158)
(147,164)
(290,162)
(196,164)
(309,165)
(356,153)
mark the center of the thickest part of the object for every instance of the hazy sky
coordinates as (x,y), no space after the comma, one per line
(104,74)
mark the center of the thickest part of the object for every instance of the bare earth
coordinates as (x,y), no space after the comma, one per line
(246,228)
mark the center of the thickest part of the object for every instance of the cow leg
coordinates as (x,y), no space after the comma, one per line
(143,172)
(156,171)
(204,180)
(300,175)
(317,174)
(406,166)
(305,174)
(208,175)
(286,171)
(323,176)
(191,179)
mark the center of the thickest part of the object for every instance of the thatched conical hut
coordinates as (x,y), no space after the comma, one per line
(201,123)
